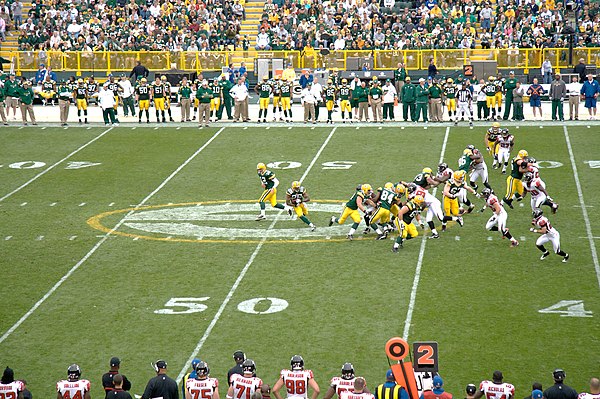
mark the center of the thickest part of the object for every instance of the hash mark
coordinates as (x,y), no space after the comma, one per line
(517,126)
(312,128)
(53,204)
(290,128)
(111,204)
(7,238)
(82,204)
(39,238)
(357,127)
(268,127)
(133,128)
(156,128)
(44,128)
(245,127)
(89,127)
(178,127)
(65,128)
(24,203)
(457,238)
(489,238)
(380,128)
(401,127)
(21,127)
(136,238)
(328,237)
(523,238)
(72,238)
(424,127)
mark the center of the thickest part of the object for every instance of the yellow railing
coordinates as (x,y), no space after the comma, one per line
(124,61)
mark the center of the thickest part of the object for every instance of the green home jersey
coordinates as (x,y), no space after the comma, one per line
(330,93)
(143,92)
(515,169)
(286,90)
(48,85)
(450,91)
(264,90)
(489,89)
(267,179)
(80,92)
(413,211)
(352,202)
(421,180)
(345,93)
(387,198)
(464,163)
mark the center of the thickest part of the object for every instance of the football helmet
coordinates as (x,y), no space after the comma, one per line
(537,214)
(427,170)
(248,367)
(73,372)
(468,152)
(486,192)
(530,160)
(504,132)
(442,167)
(470,147)
(459,176)
(261,168)
(418,200)
(491,78)
(367,189)
(79,81)
(347,371)
(496,125)
(450,80)
(344,81)
(389,185)
(295,185)
(471,389)
(277,77)
(202,369)
(163,78)
(297,363)
(559,375)
(528,176)
(400,189)
(411,188)
(265,78)
(330,82)
(144,80)
(522,154)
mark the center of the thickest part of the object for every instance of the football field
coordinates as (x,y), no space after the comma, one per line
(141,243)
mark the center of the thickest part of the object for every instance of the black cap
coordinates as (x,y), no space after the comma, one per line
(8,376)
(115,361)
(239,355)
(559,375)
(471,389)
(160,364)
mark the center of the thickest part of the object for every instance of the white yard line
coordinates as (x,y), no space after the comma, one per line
(415,286)
(43,172)
(242,274)
(103,240)
(586,218)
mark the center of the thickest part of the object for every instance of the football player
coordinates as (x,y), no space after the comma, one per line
(478,167)
(433,205)
(491,143)
(142,95)
(203,386)
(537,188)
(424,178)
(296,197)
(359,392)
(115,88)
(490,97)
(499,84)
(286,99)
(167,86)
(92,88)
(276,86)
(506,142)
(217,100)
(345,106)
(541,225)
(357,202)
(243,386)
(386,198)
(450,90)
(452,193)
(495,389)
(48,92)
(343,383)
(514,185)
(9,388)
(330,98)
(263,89)
(297,380)
(158,96)
(404,222)
(81,98)
(498,220)
(443,174)
(73,387)
(269,184)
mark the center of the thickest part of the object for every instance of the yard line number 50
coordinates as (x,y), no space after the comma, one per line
(188,305)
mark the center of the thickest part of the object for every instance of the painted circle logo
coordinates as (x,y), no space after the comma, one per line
(220,221)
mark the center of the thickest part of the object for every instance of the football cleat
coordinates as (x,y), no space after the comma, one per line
(460,221)
(331,221)
(434,236)
(350,237)
(565,259)
(470,209)
(554,207)
(545,255)
(514,243)
(381,236)
(395,249)
(289,211)
(367,230)
(313,227)
(260,217)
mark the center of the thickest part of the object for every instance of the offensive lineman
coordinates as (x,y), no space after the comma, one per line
(404,221)
(343,383)
(296,381)
(542,226)
(244,386)
(296,197)
(203,386)
(73,387)
(357,201)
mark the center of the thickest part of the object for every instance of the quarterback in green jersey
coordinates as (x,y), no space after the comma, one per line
(269,184)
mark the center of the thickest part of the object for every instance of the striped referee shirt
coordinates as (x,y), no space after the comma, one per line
(464,95)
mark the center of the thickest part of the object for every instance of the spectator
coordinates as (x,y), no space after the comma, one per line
(594,390)
(107,378)
(580,70)
(242,70)
(559,390)
(558,91)
(546,71)
(2,28)
(51,73)
(17,12)
(517,95)
(535,93)
(232,75)
(306,78)
(118,392)
(309,99)
(438,391)
(263,41)
(409,96)
(573,91)
(238,10)
(139,70)
(431,69)
(389,389)
(40,74)
(589,92)
(161,386)
(106,100)
(485,16)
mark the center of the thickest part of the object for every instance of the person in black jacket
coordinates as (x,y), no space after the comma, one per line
(559,390)
(118,392)
(139,70)
(161,386)
(239,358)
(580,70)
(108,378)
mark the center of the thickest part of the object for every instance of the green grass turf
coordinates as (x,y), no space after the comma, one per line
(476,296)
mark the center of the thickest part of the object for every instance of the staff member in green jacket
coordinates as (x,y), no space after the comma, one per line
(399,78)
(185,93)
(227,102)
(362,95)
(509,85)
(435,102)
(408,95)
(11,91)
(2,114)
(422,99)
(204,94)
(26,96)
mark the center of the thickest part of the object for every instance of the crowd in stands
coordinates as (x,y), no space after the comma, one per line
(203,25)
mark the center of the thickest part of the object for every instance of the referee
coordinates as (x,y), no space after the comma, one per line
(161,386)
(389,389)
(559,390)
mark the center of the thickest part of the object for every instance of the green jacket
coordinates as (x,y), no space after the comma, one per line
(400,74)
(362,94)
(26,95)
(376,93)
(226,85)
(185,91)
(409,93)
(204,95)
(435,91)
(11,88)
(510,84)
(422,94)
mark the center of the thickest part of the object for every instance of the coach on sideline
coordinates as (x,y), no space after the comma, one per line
(559,390)
(389,389)
(107,378)
(161,386)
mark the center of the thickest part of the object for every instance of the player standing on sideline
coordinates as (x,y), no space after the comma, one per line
(142,95)
(161,386)
(191,375)
(263,89)
(158,96)
(495,389)
(80,94)
(330,97)
(216,101)
(356,202)
(496,223)
(296,198)
(343,383)
(107,378)
(276,86)
(269,183)
(73,387)
(506,142)
(499,83)
(560,390)
(9,388)
(541,225)
(359,391)
(594,390)
(344,92)
(465,100)
(286,99)
(202,386)
(167,86)
(296,381)
(491,143)
(247,384)
(450,90)
(490,97)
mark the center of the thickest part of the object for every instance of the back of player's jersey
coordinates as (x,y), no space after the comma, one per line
(352,395)
(11,391)
(341,385)
(202,389)
(492,390)
(296,382)
(244,387)
(73,389)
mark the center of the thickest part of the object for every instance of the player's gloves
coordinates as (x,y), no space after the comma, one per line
(478,195)
(422,224)
(532,229)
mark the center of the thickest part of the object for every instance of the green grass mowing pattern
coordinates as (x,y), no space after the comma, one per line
(345,299)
